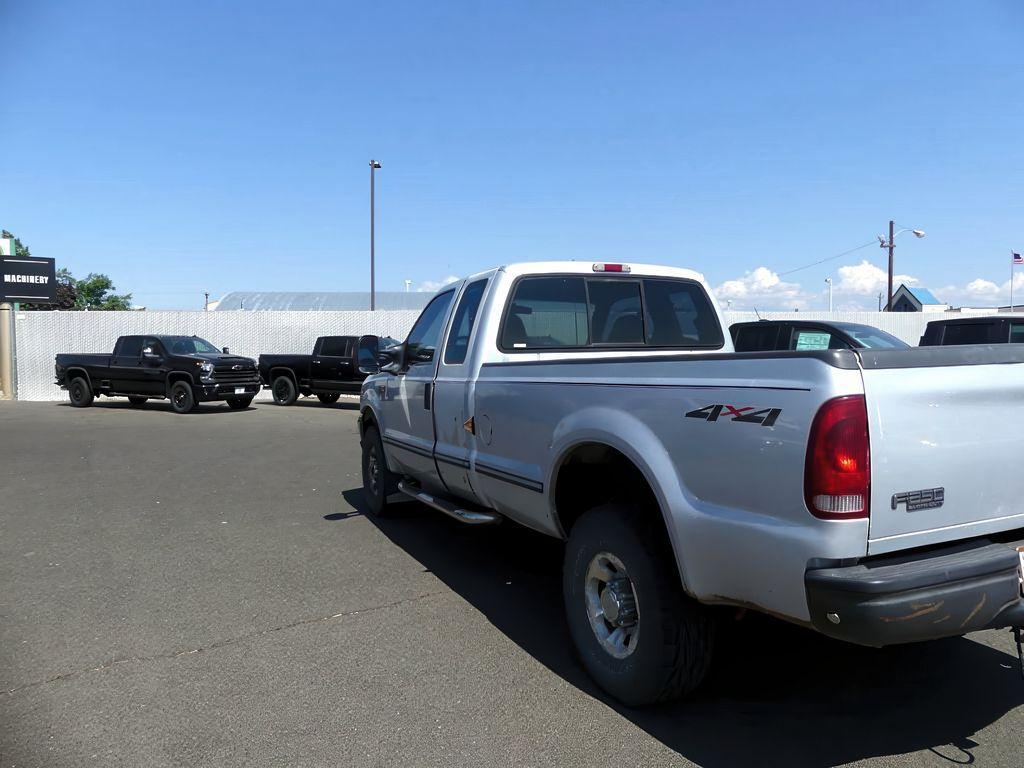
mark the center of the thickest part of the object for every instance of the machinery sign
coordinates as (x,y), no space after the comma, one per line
(28,279)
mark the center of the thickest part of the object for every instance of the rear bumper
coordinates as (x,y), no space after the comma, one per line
(921,596)
(208,391)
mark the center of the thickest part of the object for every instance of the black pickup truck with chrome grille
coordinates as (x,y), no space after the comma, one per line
(186,370)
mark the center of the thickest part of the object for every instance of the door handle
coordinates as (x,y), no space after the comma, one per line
(427,388)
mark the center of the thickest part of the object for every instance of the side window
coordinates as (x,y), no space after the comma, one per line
(333,346)
(131,346)
(757,338)
(152,344)
(1017,333)
(615,312)
(369,346)
(966,333)
(546,312)
(679,314)
(462,324)
(426,333)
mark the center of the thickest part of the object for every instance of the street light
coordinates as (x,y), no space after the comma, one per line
(891,244)
(374,166)
(829,281)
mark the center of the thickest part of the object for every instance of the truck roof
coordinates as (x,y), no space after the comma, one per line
(636,269)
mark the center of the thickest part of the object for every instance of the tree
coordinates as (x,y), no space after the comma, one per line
(94,292)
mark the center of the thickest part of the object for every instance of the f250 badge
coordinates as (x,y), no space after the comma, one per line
(927,498)
(747,414)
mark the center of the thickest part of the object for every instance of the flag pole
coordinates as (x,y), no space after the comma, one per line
(1011,281)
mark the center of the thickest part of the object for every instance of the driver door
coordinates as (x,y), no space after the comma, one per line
(407,405)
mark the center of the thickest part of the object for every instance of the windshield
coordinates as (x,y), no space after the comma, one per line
(873,338)
(188,345)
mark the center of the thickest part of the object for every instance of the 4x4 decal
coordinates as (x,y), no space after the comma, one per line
(766,417)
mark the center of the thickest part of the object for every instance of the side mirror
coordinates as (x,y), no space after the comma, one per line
(391,359)
(226,351)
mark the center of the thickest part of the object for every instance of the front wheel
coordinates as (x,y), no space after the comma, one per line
(80,393)
(328,399)
(183,400)
(239,403)
(378,482)
(283,390)
(640,637)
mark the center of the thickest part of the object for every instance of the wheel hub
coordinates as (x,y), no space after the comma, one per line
(619,603)
(611,605)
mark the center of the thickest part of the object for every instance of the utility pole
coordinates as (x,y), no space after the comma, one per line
(892,245)
(879,301)
(829,281)
(206,301)
(374,165)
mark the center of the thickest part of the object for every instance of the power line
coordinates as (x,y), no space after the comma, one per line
(829,258)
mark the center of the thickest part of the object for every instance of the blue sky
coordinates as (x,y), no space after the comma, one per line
(191,146)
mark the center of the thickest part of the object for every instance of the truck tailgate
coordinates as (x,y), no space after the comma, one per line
(946,426)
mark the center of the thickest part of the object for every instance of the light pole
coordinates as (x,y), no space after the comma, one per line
(829,281)
(891,244)
(374,165)
(408,285)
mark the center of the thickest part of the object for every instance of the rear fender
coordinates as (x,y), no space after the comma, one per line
(621,431)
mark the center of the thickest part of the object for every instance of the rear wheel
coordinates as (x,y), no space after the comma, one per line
(378,482)
(239,403)
(283,390)
(182,398)
(137,400)
(640,637)
(80,393)
(328,398)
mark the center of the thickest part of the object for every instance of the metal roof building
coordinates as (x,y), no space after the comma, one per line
(321,300)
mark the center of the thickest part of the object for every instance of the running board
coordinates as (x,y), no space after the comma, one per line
(470,517)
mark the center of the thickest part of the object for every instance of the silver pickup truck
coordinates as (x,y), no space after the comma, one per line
(872,495)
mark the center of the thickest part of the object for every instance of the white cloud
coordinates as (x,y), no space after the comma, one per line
(866,279)
(432,286)
(761,288)
(983,289)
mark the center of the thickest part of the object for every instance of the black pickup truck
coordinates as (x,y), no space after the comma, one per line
(338,365)
(183,369)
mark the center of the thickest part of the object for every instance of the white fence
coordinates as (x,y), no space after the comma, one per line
(41,335)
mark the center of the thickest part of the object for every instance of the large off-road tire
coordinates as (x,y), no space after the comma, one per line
(328,399)
(137,400)
(378,482)
(183,400)
(284,391)
(240,403)
(664,643)
(79,392)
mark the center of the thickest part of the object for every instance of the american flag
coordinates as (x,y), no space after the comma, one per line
(1017,258)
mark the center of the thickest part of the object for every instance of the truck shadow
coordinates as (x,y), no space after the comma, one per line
(778,694)
(160,406)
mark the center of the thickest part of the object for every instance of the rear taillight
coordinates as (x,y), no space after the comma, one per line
(611,267)
(837,471)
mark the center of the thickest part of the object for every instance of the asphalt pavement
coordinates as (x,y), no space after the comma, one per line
(204,590)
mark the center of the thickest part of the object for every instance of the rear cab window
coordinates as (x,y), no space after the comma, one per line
(967,333)
(757,338)
(560,312)
(130,346)
(334,346)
